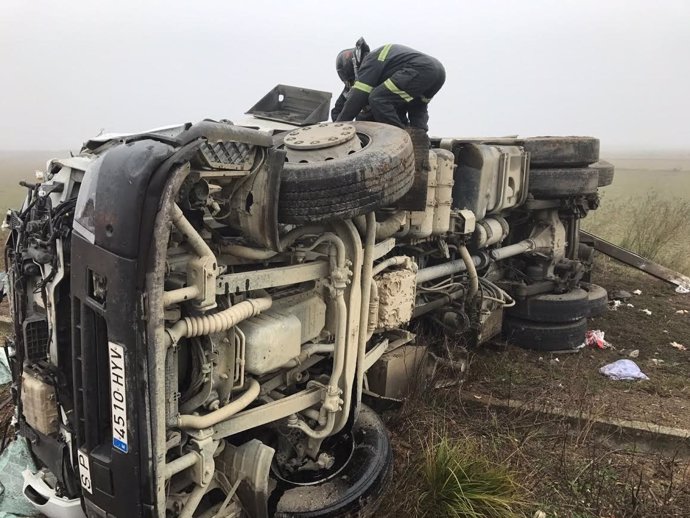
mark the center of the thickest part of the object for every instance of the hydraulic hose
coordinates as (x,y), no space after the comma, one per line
(216,322)
(206,421)
(471,272)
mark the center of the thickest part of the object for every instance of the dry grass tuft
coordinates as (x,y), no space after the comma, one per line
(459,482)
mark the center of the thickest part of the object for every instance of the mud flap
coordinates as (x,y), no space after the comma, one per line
(250,464)
(254,206)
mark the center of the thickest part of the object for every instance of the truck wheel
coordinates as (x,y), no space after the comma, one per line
(552,307)
(358,488)
(543,336)
(342,187)
(563,182)
(561,151)
(605,172)
(597,299)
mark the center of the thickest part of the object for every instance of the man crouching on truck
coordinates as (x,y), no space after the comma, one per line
(396,81)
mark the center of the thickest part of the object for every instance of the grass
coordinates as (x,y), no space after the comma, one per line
(652,225)
(458,482)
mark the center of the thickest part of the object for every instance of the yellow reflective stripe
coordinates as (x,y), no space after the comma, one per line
(384,52)
(402,93)
(363,87)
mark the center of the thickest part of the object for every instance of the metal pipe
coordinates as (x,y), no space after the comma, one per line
(321,433)
(513,250)
(213,418)
(308,351)
(247,252)
(193,501)
(190,233)
(373,309)
(391,261)
(471,271)
(443,300)
(181,463)
(368,272)
(332,402)
(179,295)
(441,270)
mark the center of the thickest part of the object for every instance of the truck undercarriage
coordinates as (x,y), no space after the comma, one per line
(199,309)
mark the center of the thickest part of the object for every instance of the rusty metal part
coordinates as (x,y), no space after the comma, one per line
(636,261)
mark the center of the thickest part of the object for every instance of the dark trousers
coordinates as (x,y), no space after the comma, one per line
(402,100)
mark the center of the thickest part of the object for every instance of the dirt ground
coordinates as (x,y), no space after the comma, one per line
(568,471)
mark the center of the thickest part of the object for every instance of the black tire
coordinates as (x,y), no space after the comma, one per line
(562,151)
(359,487)
(378,175)
(542,336)
(606,170)
(597,298)
(551,307)
(563,183)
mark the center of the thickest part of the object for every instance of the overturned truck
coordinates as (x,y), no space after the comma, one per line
(198,310)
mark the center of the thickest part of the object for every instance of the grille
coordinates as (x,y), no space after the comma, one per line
(35,338)
(227,155)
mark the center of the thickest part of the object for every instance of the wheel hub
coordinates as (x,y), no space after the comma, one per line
(320,142)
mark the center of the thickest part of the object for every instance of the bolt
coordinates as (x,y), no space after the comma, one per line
(300,142)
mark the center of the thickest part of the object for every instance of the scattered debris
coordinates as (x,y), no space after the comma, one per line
(656,361)
(678,346)
(637,292)
(616,304)
(682,312)
(634,353)
(646,311)
(539,514)
(595,339)
(683,290)
(623,370)
(630,305)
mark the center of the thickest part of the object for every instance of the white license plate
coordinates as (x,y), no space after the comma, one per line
(118,396)
(84,471)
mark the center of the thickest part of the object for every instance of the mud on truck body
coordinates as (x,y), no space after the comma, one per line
(199,309)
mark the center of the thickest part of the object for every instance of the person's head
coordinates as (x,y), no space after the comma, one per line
(344,65)
(348,61)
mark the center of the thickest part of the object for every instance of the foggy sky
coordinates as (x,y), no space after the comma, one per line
(615,69)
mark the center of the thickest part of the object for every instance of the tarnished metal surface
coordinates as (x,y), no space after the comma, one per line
(637,261)
(280,276)
(269,413)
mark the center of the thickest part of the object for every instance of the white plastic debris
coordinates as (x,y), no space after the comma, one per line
(616,304)
(629,305)
(682,312)
(623,370)
(683,290)
(646,311)
(637,292)
(678,346)
(595,339)
(635,353)
(657,361)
